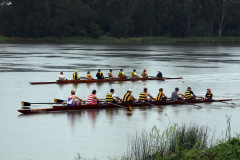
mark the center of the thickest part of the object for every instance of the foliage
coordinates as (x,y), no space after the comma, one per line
(120,18)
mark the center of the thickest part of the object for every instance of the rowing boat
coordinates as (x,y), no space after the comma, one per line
(105,105)
(103,80)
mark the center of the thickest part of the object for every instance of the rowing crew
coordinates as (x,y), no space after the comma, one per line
(111,97)
(100,75)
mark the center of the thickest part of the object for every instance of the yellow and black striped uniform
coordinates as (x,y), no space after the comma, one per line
(188,95)
(126,98)
(159,96)
(209,96)
(75,76)
(142,96)
(109,97)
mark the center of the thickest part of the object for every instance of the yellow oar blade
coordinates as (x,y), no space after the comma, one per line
(22,103)
(55,100)
(130,108)
(25,103)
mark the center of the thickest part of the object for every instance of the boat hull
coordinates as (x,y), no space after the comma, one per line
(102,80)
(106,106)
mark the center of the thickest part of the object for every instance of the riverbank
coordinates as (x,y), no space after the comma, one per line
(109,40)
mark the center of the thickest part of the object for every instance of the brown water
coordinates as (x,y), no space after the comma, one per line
(103,133)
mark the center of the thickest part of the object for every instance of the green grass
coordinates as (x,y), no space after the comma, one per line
(110,40)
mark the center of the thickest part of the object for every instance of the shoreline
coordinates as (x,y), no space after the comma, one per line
(111,40)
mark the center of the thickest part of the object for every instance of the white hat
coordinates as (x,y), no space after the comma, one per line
(130,90)
(159,71)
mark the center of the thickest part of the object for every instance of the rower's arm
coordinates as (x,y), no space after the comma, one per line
(165,96)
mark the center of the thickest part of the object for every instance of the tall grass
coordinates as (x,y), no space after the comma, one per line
(185,142)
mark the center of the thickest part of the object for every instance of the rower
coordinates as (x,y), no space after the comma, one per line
(128,97)
(121,74)
(111,97)
(159,75)
(134,74)
(74,100)
(143,96)
(99,74)
(61,78)
(76,76)
(161,96)
(208,94)
(144,74)
(176,93)
(92,98)
(110,75)
(189,93)
(88,76)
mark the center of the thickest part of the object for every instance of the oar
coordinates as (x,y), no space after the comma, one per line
(60,100)
(150,104)
(29,104)
(128,108)
(188,103)
(219,101)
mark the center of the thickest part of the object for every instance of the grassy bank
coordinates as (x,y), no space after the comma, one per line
(110,40)
(184,142)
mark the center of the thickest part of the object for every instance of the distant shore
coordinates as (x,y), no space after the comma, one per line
(111,40)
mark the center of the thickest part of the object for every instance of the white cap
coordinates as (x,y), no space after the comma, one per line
(130,90)
(159,71)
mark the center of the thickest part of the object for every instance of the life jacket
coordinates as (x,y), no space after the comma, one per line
(174,95)
(75,76)
(142,96)
(88,76)
(208,96)
(159,96)
(109,75)
(90,100)
(187,95)
(144,75)
(133,74)
(109,97)
(120,75)
(126,97)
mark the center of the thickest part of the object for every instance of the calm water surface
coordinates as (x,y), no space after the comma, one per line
(104,133)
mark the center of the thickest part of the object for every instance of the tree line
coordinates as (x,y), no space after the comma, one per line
(119,18)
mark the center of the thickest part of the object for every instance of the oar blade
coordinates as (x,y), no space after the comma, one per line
(130,108)
(58,100)
(25,103)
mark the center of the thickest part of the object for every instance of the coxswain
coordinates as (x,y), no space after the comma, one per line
(176,93)
(74,100)
(110,75)
(121,74)
(161,96)
(61,78)
(99,74)
(92,98)
(159,75)
(189,95)
(128,97)
(208,94)
(134,74)
(88,76)
(76,76)
(144,74)
(143,96)
(112,97)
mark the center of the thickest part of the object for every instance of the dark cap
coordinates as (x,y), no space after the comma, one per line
(188,87)
(72,92)
(145,89)
(110,69)
(160,89)
(111,90)
(134,70)
(176,89)
(121,69)
(99,70)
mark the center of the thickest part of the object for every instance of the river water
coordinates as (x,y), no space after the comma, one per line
(104,133)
